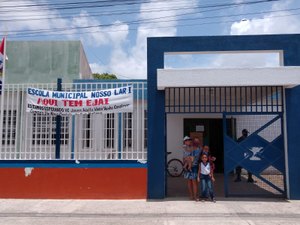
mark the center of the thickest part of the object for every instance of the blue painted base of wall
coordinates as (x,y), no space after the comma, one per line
(71,164)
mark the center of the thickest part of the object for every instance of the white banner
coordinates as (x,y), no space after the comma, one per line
(60,102)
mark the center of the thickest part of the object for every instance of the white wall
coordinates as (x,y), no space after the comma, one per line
(231,77)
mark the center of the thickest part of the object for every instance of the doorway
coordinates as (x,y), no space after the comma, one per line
(210,131)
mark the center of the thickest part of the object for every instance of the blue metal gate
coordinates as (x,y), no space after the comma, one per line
(259,109)
(260,154)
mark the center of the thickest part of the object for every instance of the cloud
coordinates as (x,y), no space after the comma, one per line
(114,35)
(158,18)
(17,18)
(133,62)
(223,60)
(38,16)
(270,23)
(94,35)
(118,32)
(243,60)
(99,34)
(96,68)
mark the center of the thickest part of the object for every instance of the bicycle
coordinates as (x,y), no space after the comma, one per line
(174,167)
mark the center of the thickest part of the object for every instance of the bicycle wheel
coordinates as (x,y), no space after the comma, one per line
(175,168)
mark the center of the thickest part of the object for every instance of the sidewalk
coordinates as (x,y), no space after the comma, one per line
(170,211)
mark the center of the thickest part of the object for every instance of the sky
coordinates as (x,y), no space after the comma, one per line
(114,33)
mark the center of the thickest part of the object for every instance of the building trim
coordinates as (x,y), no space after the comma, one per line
(72,164)
(228,77)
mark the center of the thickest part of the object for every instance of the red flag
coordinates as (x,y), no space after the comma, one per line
(2,54)
(2,46)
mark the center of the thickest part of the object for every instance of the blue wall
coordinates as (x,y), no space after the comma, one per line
(290,44)
(293,138)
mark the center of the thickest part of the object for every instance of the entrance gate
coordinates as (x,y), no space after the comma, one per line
(260,154)
(287,46)
(257,109)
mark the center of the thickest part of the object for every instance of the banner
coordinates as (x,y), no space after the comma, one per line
(59,102)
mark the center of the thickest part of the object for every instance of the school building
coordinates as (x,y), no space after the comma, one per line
(124,155)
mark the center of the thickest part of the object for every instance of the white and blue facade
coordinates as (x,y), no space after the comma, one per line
(281,152)
(96,147)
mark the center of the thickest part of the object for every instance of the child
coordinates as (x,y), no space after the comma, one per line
(211,159)
(188,158)
(206,176)
(188,162)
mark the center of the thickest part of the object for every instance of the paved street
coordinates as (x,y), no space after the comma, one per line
(170,211)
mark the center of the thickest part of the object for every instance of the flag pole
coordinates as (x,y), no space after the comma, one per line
(2,91)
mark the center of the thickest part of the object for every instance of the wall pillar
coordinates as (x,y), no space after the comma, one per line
(292,98)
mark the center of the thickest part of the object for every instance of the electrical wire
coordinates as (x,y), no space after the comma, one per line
(64,29)
(87,29)
(158,27)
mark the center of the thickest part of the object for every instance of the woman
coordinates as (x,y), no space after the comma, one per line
(191,175)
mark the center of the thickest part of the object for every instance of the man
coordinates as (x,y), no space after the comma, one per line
(245,133)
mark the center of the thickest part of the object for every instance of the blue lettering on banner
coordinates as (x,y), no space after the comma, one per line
(99,94)
(37,92)
(121,91)
(69,95)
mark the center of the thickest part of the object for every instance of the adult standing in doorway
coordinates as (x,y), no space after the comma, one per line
(197,143)
(245,133)
(191,175)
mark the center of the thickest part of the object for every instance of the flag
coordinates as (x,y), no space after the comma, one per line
(2,54)
(2,58)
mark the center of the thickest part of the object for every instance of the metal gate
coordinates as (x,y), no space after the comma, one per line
(259,109)
(260,154)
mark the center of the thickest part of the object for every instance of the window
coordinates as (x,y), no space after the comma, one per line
(127,130)
(9,127)
(109,130)
(86,131)
(43,130)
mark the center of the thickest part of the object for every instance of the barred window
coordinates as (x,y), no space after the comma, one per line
(127,130)
(109,130)
(9,127)
(86,131)
(43,130)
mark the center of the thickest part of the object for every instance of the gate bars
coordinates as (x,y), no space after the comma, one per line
(224,99)
(260,153)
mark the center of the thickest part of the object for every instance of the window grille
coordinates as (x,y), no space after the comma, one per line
(87,142)
(127,130)
(43,130)
(224,99)
(9,127)
(109,138)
